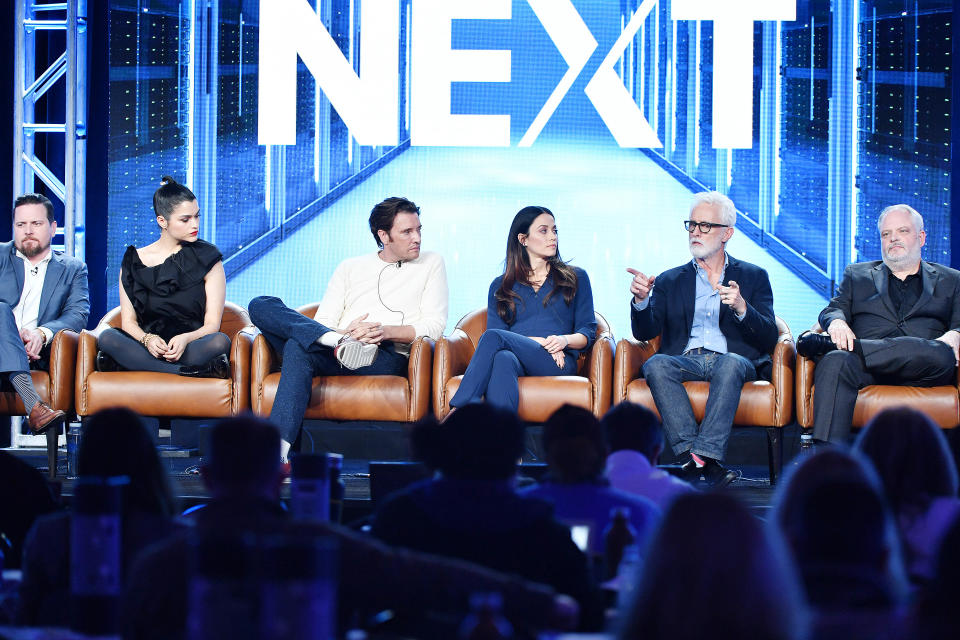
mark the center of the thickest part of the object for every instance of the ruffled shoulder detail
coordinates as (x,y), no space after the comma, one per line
(181,270)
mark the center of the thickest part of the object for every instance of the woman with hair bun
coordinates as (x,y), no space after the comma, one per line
(539,316)
(171,298)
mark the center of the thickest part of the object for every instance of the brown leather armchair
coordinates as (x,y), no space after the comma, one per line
(762,403)
(55,387)
(942,404)
(389,398)
(539,396)
(166,394)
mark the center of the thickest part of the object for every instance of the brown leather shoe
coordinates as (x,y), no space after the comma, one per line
(43,417)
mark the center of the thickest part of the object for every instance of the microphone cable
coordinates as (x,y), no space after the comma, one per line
(398,264)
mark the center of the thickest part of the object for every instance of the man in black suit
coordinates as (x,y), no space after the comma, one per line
(894,321)
(714,316)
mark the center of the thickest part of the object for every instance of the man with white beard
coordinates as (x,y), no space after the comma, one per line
(714,316)
(894,321)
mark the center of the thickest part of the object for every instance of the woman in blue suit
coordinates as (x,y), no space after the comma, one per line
(539,316)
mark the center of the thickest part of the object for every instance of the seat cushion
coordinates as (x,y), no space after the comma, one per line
(757,401)
(942,404)
(158,394)
(349,397)
(541,396)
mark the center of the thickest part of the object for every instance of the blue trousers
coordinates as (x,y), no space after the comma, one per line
(13,355)
(294,336)
(726,374)
(496,366)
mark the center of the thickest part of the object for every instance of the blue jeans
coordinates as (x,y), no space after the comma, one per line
(497,364)
(294,336)
(726,374)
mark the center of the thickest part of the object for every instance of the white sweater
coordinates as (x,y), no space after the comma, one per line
(414,294)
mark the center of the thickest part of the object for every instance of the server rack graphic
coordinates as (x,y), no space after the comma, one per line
(851,113)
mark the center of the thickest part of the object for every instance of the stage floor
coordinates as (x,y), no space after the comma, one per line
(753,487)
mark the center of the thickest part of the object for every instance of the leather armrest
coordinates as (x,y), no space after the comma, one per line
(261,363)
(629,357)
(804,386)
(240,350)
(451,357)
(782,377)
(418,374)
(601,374)
(86,364)
(63,369)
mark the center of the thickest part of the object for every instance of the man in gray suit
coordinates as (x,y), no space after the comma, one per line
(895,321)
(41,293)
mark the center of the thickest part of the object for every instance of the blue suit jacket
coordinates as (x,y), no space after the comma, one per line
(64,302)
(670,313)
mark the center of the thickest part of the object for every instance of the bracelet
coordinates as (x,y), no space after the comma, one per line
(566,342)
(147,337)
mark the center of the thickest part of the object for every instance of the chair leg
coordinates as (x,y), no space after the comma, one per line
(775,452)
(52,435)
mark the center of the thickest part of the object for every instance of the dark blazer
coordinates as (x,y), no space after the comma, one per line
(670,313)
(863,301)
(64,302)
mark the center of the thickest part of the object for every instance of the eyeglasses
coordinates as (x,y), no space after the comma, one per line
(705,227)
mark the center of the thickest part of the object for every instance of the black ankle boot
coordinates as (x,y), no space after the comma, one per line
(219,367)
(106,363)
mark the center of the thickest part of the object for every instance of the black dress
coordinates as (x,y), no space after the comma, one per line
(169,299)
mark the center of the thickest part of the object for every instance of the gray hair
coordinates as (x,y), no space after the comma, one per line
(715,199)
(917,218)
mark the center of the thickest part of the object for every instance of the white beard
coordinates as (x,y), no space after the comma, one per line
(903,262)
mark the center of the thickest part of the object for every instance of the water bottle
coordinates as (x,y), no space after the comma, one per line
(485,621)
(73,448)
(627,577)
(299,588)
(616,537)
(223,596)
(309,493)
(806,443)
(337,488)
(95,555)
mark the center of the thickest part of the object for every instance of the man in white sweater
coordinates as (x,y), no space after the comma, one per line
(374,307)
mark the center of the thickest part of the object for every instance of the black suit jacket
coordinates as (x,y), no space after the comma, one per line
(670,313)
(863,301)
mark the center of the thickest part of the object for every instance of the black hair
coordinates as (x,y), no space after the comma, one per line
(832,514)
(761,597)
(169,195)
(116,443)
(478,441)
(632,426)
(384,213)
(35,198)
(574,445)
(911,457)
(517,267)
(244,454)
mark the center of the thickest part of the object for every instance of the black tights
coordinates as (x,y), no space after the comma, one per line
(133,356)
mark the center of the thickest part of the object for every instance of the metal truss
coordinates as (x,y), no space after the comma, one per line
(29,87)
